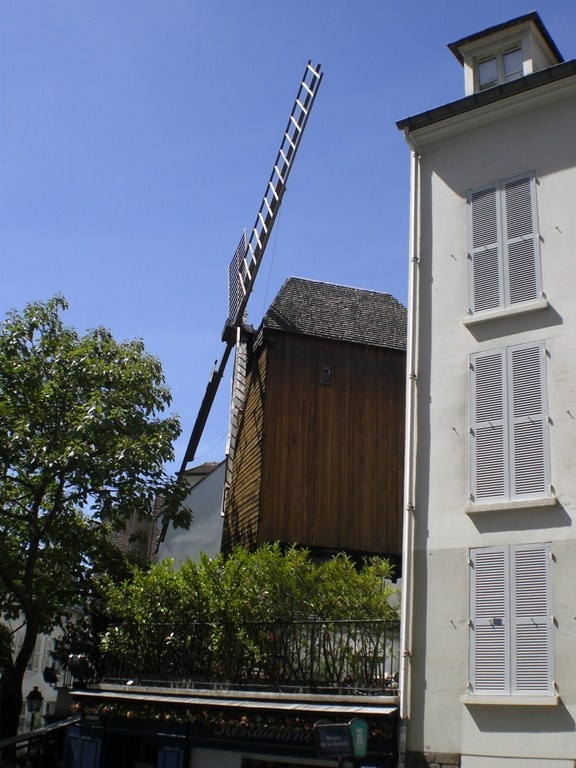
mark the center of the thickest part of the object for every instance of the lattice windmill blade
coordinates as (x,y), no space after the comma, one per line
(248,255)
(246,265)
(236,402)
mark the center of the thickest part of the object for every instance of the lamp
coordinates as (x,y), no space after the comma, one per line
(34,703)
(79,667)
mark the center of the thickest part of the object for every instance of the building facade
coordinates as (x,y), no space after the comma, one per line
(488,677)
(44,674)
(206,483)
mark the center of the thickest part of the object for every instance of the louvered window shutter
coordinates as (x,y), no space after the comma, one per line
(511,620)
(531,620)
(489,439)
(503,244)
(34,661)
(486,289)
(529,422)
(521,240)
(489,621)
(509,447)
(170,757)
(89,752)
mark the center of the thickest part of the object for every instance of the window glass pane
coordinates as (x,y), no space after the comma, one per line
(512,65)
(487,73)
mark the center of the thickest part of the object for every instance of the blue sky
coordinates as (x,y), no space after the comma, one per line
(137,137)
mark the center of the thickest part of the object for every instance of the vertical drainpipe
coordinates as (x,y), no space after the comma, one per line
(404,681)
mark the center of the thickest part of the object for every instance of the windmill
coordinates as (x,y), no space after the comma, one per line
(245,265)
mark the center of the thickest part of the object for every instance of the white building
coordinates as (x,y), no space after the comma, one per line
(205,500)
(44,673)
(489,678)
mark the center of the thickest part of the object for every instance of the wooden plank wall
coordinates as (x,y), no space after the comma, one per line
(320,464)
(242,499)
(333,460)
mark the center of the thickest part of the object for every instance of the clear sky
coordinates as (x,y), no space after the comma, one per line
(137,138)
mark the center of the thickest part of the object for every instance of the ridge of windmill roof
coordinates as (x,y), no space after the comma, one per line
(338,312)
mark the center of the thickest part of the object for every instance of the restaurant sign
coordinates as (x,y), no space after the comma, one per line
(342,739)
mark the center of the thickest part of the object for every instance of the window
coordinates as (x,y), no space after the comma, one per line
(326,375)
(34,663)
(511,620)
(509,427)
(487,73)
(503,248)
(501,68)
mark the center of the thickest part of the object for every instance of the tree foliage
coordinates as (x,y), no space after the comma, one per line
(273,617)
(84,444)
(265,586)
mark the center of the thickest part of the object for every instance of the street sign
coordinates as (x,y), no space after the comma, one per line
(342,739)
(333,740)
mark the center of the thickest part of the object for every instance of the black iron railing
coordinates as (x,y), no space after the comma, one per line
(335,656)
(41,748)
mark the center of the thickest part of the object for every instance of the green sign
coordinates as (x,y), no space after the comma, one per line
(359,734)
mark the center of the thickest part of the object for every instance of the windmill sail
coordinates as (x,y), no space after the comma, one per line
(248,255)
(237,399)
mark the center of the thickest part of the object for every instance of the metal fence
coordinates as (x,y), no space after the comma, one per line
(335,656)
(41,748)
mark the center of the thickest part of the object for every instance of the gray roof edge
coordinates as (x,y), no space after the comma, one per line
(489,96)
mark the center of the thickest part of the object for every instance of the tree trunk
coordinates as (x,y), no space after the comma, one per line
(10,701)
(11,681)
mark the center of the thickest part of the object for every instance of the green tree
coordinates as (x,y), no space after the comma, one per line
(84,444)
(266,585)
(238,599)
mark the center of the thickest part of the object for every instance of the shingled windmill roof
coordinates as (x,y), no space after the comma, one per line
(338,312)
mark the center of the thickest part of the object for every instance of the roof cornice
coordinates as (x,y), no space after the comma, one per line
(539,85)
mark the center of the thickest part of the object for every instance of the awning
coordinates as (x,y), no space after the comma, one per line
(338,705)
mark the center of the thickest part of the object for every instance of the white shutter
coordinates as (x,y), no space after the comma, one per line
(529,422)
(511,620)
(521,240)
(489,443)
(34,661)
(503,244)
(489,620)
(484,251)
(531,620)
(509,429)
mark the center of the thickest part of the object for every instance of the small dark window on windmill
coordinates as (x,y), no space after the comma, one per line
(326,375)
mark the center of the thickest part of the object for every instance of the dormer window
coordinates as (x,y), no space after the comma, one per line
(501,68)
(506,52)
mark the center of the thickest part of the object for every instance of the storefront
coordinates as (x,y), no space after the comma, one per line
(143,729)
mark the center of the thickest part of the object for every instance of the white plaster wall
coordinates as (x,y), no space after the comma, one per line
(205,533)
(473,761)
(539,139)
